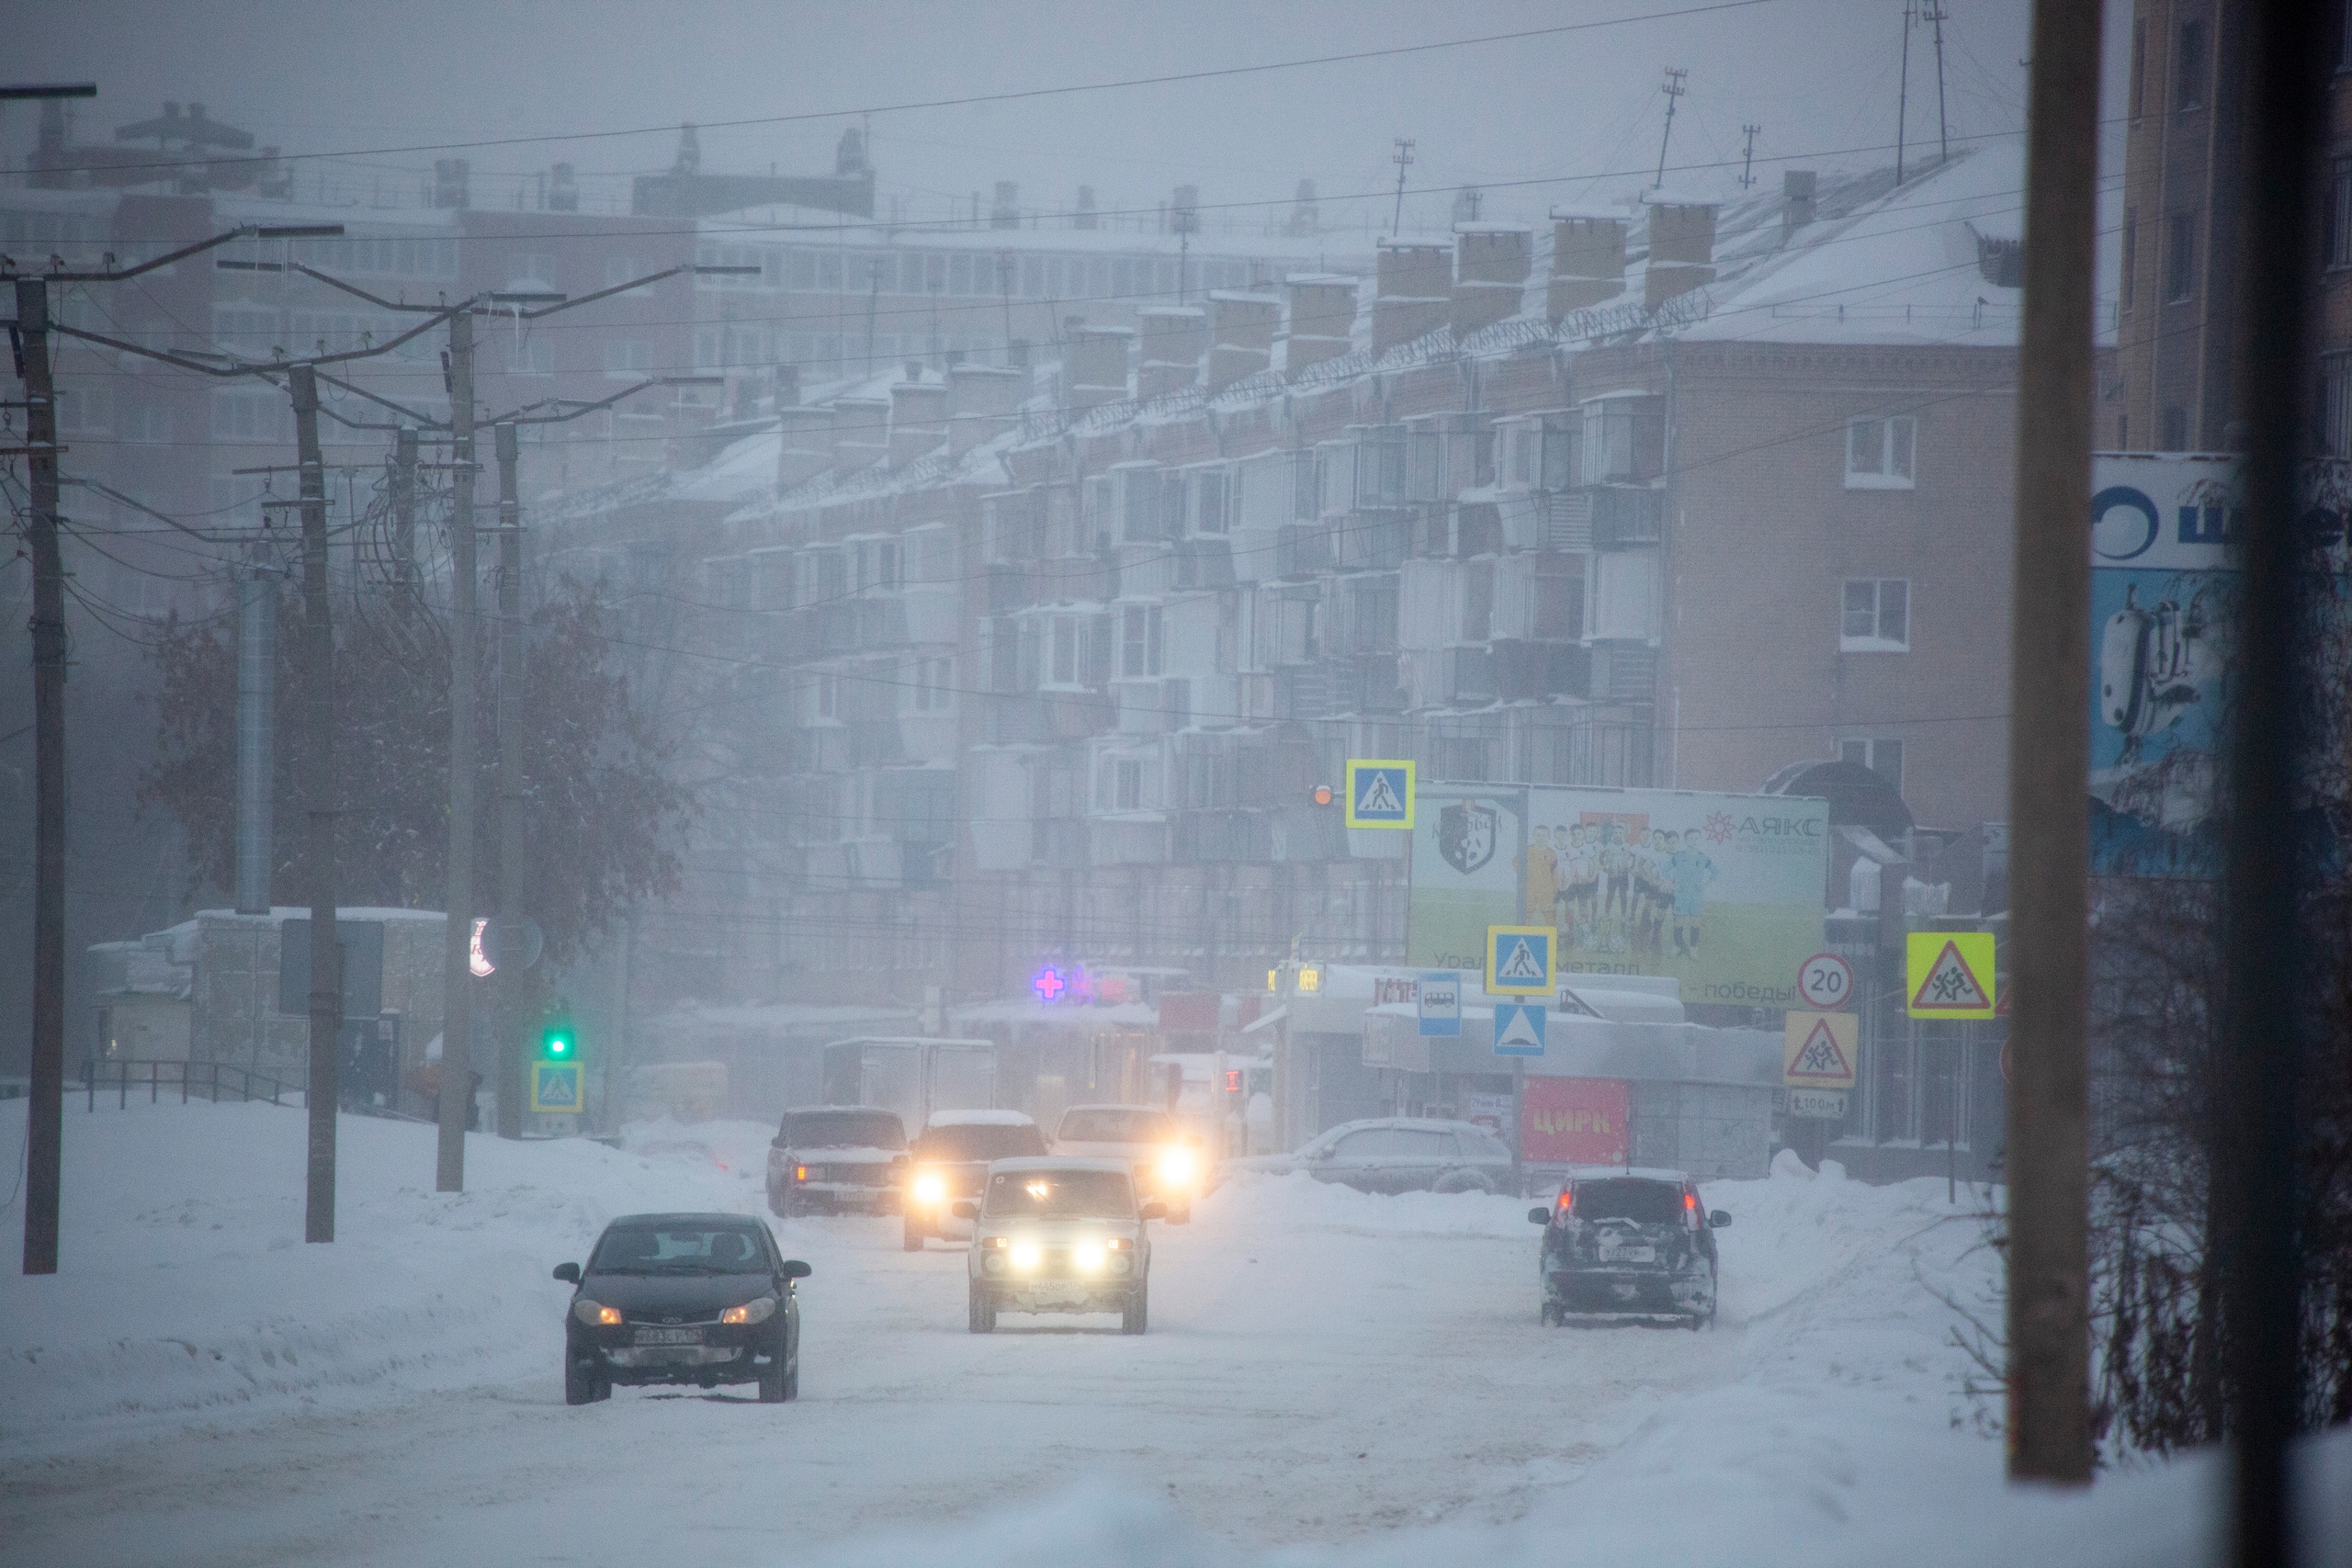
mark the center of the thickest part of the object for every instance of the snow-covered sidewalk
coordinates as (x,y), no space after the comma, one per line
(1330,1379)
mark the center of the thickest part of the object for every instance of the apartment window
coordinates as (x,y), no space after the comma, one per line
(2138,65)
(628,356)
(2174,437)
(532,355)
(933,685)
(2189,68)
(1877,616)
(2129,286)
(1209,487)
(1882,757)
(1065,665)
(2180,257)
(2335,405)
(1127,783)
(2339,214)
(531,267)
(1140,641)
(828,696)
(91,409)
(1880,453)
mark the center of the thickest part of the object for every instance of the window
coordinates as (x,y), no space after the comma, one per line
(1209,492)
(144,423)
(531,267)
(2335,405)
(827,696)
(2188,68)
(628,356)
(1880,756)
(1877,616)
(1140,641)
(933,683)
(1126,785)
(2129,284)
(2139,65)
(2180,257)
(2339,214)
(959,275)
(2174,434)
(532,355)
(1065,666)
(91,409)
(1880,453)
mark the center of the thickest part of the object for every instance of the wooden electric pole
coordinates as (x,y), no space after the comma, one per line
(2049,1329)
(512,967)
(319,784)
(455,1101)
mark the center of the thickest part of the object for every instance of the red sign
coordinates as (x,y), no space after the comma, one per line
(1573,1120)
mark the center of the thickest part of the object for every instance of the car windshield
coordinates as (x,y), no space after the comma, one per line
(843,1129)
(1117,1124)
(981,1141)
(681,1247)
(1643,1202)
(1060,1195)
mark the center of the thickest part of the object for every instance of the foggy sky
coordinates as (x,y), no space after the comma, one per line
(1820,77)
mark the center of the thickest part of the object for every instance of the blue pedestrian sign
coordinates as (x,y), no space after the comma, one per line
(555,1088)
(1519,1028)
(1380,793)
(1440,996)
(1519,959)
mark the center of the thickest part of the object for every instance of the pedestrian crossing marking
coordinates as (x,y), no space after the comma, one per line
(1951,973)
(1380,793)
(1519,959)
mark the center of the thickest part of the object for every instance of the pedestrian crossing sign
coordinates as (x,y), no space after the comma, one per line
(1519,1028)
(1519,959)
(555,1088)
(1818,1049)
(1950,975)
(1380,793)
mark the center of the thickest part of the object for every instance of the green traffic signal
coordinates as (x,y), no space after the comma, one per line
(555,1042)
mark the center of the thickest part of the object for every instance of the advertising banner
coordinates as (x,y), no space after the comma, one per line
(1573,1120)
(1723,892)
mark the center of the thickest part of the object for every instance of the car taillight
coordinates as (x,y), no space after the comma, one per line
(1568,1202)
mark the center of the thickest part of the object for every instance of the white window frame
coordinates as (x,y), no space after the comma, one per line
(1882,452)
(628,360)
(1850,638)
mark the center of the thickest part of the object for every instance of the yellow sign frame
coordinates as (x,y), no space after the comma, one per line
(540,1105)
(1924,952)
(1845,1032)
(1360,765)
(1551,939)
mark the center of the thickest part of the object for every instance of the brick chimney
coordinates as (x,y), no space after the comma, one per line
(1796,201)
(982,402)
(1322,317)
(1490,266)
(1413,292)
(1098,365)
(808,444)
(918,421)
(1683,249)
(1170,340)
(1587,261)
(1241,337)
(861,433)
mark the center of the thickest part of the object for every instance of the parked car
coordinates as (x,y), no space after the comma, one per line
(950,1161)
(1399,1154)
(1167,1161)
(826,1159)
(1632,1241)
(1060,1235)
(697,1299)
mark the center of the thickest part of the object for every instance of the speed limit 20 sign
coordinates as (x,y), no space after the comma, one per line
(1826,982)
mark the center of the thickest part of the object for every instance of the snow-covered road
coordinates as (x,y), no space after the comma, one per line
(1325,1370)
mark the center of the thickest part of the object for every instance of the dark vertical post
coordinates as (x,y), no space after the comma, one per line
(2049,1330)
(326,968)
(404,511)
(512,966)
(2256,1191)
(45,1112)
(458,894)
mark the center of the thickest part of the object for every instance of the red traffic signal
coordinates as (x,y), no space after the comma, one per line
(1322,795)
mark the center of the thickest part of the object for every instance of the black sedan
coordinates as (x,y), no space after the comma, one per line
(694,1299)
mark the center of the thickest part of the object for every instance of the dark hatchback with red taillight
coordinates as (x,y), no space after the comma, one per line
(1629,1243)
(694,1299)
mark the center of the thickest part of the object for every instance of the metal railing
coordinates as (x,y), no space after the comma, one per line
(214,1081)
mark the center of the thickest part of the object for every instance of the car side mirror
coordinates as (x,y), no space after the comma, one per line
(1717,1219)
(1153,1209)
(568,1272)
(1539,1217)
(795,1270)
(964,1208)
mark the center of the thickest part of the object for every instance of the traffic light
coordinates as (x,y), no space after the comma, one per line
(558,1041)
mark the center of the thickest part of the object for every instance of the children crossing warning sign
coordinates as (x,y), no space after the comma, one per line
(1380,793)
(1950,975)
(1519,959)
(1818,1050)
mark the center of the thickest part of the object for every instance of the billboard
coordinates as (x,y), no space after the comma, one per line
(1573,1120)
(1722,892)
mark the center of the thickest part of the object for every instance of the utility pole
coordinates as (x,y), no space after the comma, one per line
(872,300)
(511,968)
(2049,1325)
(1902,95)
(256,728)
(404,511)
(1747,155)
(1673,90)
(1936,14)
(1403,159)
(456,1101)
(326,957)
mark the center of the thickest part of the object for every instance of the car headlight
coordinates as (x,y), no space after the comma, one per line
(595,1315)
(758,1311)
(1025,1255)
(1087,1257)
(929,1188)
(1176,1168)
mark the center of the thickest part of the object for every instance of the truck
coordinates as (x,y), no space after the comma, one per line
(912,1074)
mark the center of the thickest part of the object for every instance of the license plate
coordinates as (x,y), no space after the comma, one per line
(1629,1255)
(669,1336)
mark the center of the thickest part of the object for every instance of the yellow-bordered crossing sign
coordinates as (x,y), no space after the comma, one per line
(1380,793)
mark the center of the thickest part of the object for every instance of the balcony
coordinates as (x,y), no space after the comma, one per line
(1624,515)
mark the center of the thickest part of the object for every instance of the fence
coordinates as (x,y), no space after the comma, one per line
(196,1080)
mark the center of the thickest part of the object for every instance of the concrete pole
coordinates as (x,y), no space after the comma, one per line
(511,991)
(319,784)
(257,729)
(404,511)
(44,1126)
(2049,1328)
(458,895)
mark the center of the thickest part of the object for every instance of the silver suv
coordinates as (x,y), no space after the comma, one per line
(1060,1235)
